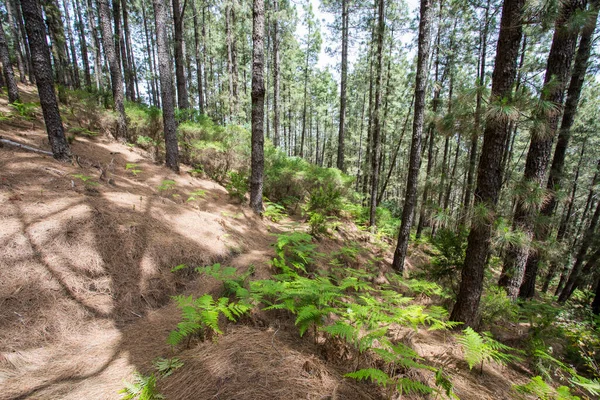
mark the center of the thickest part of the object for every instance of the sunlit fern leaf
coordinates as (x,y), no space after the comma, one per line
(370,374)
(342,330)
(166,366)
(406,385)
(142,388)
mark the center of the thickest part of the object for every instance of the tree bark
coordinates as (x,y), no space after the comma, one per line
(415,149)
(527,289)
(562,229)
(83,45)
(57,36)
(489,176)
(21,66)
(276,73)
(19,18)
(538,156)
(478,109)
(343,82)
(129,61)
(258,104)
(97,57)
(182,95)
(115,70)
(166,86)
(9,75)
(75,67)
(198,59)
(42,68)
(376,114)
(586,242)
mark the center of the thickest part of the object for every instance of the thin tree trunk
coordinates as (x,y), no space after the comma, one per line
(166,86)
(562,229)
(527,289)
(42,68)
(538,156)
(275,73)
(198,59)
(9,76)
(21,66)
(415,149)
(396,150)
(129,61)
(478,114)
(97,57)
(258,104)
(75,66)
(305,94)
(57,36)
(343,82)
(182,95)
(150,55)
(489,178)
(376,115)
(21,26)
(115,70)
(586,242)
(83,45)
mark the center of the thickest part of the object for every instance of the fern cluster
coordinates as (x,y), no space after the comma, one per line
(201,316)
(479,348)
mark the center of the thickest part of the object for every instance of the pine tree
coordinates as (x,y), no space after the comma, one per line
(9,76)
(489,178)
(166,86)
(42,69)
(115,70)
(538,156)
(258,104)
(415,149)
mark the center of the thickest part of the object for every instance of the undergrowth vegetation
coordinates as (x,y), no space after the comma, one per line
(333,298)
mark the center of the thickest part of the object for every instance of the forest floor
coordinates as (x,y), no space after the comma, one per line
(86,252)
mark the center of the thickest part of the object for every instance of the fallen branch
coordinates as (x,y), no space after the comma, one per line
(24,146)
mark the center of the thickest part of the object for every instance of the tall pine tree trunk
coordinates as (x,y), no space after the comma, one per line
(538,156)
(556,170)
(478,112)
(9,76)
(415,148)
(198,58)
(376,114)
(166,86)
(83,45)
(42,68)
(182,95)
(489,176)
(258,106)
(275,73)
(115,70)
(343,82)
(21,65)
(75,65)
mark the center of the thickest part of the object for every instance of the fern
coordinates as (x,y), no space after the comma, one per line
(370,374)
(201,316)
(142,388)
(541,390)
(480,348)
(166,366)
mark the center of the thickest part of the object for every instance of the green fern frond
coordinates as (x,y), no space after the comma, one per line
(370,374)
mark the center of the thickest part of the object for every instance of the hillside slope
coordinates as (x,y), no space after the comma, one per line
(86,252)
